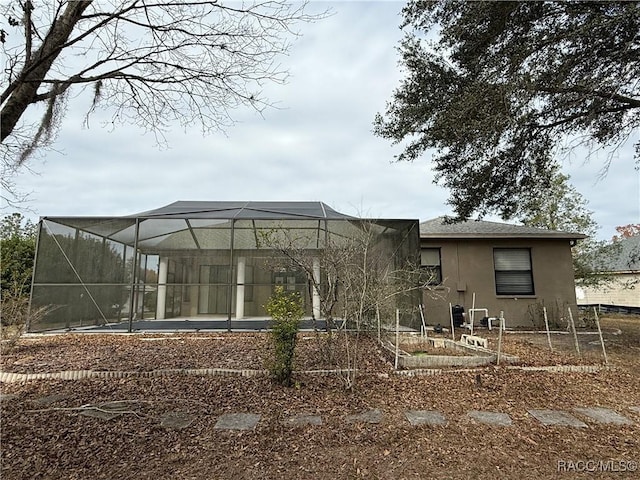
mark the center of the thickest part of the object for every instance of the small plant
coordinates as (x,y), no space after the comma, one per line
(15,308)
(15,315)
(286,311)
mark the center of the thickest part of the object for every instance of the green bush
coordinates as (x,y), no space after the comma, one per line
(17,250)
(286,310)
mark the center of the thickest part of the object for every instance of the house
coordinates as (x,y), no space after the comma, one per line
(212,260)
(622,266)
(196,260)
(510,268)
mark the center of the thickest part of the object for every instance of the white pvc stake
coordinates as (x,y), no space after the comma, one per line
(453,329)
(473,306)
(424,325)
(397,336)
(546,325)
(604,351)
(501,327)
(575,334)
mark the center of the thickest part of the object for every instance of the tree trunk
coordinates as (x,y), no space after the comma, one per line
(25,87)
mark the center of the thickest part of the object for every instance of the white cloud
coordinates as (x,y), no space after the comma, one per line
(317,145)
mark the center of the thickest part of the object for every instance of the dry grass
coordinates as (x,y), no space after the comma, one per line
(48,438)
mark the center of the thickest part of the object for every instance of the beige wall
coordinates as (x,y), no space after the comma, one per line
(624,290)
(467,267)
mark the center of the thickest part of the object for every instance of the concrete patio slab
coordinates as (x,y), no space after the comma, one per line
(491,418)
(425,417)
(371,416)
(604,415)
(556,417)
(237,421)
(195,325)
(177,420)
(303,419)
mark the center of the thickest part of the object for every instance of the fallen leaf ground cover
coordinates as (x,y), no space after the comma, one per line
(44,433)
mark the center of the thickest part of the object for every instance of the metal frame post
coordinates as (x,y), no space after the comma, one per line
(33,275)
(134,275)
(230,275)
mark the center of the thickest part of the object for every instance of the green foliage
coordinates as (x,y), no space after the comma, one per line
(605,260)
(17,250)
(286,310)
(590,260)
(563,208)
(504,85)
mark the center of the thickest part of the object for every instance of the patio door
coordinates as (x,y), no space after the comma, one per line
(213,298)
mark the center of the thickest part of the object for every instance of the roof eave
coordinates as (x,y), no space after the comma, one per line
(479,236)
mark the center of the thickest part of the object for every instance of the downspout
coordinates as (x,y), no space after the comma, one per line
(134,275)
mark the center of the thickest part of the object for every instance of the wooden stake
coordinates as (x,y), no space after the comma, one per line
(572,324)
(397,336)
(546,325)
(604,351)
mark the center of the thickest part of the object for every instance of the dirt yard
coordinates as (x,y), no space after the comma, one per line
(47,434)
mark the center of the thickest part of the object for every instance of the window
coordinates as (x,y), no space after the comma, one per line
(513,271)
(430,263)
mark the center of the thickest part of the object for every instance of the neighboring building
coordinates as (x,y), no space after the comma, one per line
(622,267)
(195,260)
(510,268)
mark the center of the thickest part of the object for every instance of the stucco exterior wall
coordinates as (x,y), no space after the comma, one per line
(467,268)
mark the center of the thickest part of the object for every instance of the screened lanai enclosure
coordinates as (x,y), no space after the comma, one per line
(198,261)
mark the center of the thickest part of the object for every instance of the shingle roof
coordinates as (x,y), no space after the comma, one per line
(244,210)
(438,228)
(622,256)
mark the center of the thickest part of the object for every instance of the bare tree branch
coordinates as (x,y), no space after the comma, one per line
(150,62)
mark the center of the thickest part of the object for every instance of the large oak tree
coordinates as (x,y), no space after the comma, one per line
(495,90)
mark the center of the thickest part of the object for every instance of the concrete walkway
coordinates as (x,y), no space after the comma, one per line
(416,418)
(579,417)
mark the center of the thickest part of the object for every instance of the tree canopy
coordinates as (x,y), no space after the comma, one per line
(497,89)
(17,250)
(562,207)
(627,231)
(148,63)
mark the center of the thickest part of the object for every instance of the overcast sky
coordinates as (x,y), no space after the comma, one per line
(317,146)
